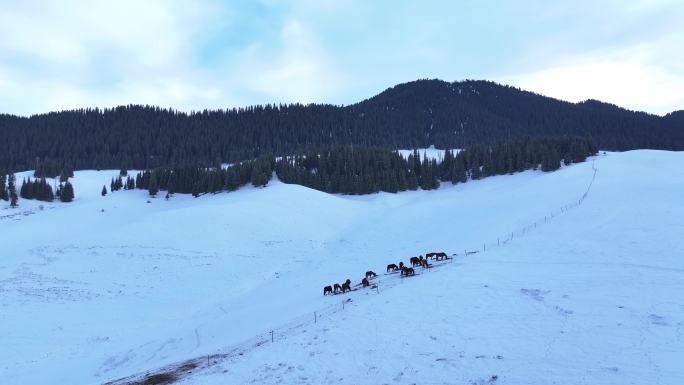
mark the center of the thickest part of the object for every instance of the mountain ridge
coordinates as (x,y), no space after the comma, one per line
(408,115)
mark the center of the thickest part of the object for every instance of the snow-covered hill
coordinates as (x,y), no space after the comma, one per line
(112,287)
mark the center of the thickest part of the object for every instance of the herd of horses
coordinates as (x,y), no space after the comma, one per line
(391,268)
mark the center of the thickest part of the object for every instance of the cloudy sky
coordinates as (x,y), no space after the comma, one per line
(200,54)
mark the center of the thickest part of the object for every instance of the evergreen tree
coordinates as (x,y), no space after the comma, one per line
(26,190)
(66,192)
(3,187)
(104,190)
(12,190)
(153,187)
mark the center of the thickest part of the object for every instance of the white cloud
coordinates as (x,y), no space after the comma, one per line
(294,68)
(77,53)
(632,77)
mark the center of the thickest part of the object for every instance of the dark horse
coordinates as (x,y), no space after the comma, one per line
(371,274)
(437,256)
(327,290)
(364,282)
(408,271)
(424,263)
(414,261)
(392,267)
(338,288)
(346,286)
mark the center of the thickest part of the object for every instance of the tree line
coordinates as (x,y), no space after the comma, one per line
(38,189)
(411,115)
(365,170)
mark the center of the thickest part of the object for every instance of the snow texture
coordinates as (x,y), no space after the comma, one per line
(570,277)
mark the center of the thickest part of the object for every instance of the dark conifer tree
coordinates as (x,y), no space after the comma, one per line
(66,192)
(153,187)
(64,176)
(3,187)
(104,190)
(12,190)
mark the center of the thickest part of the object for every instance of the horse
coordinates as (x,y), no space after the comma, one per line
(392,267)
(327,290)
(364,282)
(346,286)
(371,274)
(401,265)
(338,288)
(424,263)
(408,271)
(414,261)
(437,256)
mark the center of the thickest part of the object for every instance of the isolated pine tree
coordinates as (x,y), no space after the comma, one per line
(66,192)
(12,190)
(104,190)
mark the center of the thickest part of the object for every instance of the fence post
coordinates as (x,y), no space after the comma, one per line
(315,318)
(271,336)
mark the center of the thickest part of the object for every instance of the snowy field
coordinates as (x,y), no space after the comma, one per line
(114,287)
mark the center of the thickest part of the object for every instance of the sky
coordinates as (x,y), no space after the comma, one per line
(209,54)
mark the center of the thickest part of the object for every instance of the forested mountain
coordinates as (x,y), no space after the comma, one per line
(410,115)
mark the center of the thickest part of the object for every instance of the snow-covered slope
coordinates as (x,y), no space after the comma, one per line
(592,295)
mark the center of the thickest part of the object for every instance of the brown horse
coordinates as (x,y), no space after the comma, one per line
(346,286)
(327,290)
(424,263)
(408,271)
(414,261)
(392,267)
(437,256)
(364,282)
(401,265)
(338,288)
(371,274)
